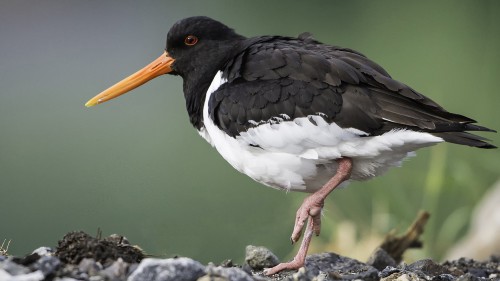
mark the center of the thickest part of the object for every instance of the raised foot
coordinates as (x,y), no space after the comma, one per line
(293,265)
(310,212)
(310,209)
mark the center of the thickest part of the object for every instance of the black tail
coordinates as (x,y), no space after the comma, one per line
(411,114)
(465,138)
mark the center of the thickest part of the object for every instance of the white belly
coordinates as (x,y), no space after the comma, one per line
(300,156)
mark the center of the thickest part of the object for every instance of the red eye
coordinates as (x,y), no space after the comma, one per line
(190,40)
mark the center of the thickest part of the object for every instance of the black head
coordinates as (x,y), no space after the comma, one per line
(199,43)
(197,47)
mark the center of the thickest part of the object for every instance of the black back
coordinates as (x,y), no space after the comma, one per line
(275,78)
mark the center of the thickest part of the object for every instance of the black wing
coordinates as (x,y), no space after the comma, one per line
(276,78)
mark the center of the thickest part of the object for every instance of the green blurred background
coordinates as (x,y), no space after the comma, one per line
(136,167)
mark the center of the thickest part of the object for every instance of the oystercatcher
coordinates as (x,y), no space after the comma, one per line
(296,114)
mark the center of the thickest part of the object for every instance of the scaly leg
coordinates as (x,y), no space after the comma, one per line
(311,210)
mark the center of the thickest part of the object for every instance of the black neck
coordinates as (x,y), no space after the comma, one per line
(197,82)
(195,89)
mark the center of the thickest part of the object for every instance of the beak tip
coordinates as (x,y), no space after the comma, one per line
(91,103)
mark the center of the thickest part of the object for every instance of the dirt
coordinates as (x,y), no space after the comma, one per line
(80,256)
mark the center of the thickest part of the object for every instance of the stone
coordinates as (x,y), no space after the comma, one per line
(13,268)
(343,268)
(260,257)
(388,271)
(90,266)
(211,278)
(43,251)
(408,276)
(32,276)
(302,275)
(47,265)
(428,267)
(27,260)
(468,277)
(380,259)
(178,269)
(116,271)
(227,273)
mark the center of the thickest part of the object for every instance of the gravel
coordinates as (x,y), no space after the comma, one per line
(79,256)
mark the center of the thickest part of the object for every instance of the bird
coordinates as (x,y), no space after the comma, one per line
(296,114)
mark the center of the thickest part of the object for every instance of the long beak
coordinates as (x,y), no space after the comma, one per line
(161,65)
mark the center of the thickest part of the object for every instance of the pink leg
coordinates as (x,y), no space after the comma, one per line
(311,210)
(299,259)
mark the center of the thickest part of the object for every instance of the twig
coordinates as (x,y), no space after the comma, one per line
(395,246)
(3,251)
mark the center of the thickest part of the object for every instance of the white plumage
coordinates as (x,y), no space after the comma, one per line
(299,154)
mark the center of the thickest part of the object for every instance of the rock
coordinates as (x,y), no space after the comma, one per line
(179,269)
(211,278)
(32,276)
(90,266)
(13,268)
(428,267)
(260,257)
(226,274)
(340,267)
(388,271)
(302,275)
(47,265)
(44,251)
(65,279)
(467,277)
(419,270)
(408,276)
(380,259)
(27,260)
(116,271)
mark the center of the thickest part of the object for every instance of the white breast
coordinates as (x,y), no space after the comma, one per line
(299,155)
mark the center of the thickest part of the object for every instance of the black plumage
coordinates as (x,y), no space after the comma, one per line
(273,76)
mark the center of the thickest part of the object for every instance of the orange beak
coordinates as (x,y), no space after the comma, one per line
(161,65)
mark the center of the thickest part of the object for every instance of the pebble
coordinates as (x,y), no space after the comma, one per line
(32,276)
(341,267)
(89,266)
(179,269)
(428,267)
(115,271)
(44,251)
(227,273)
(380,259)
(13,268)
(260,257)
(47,264)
